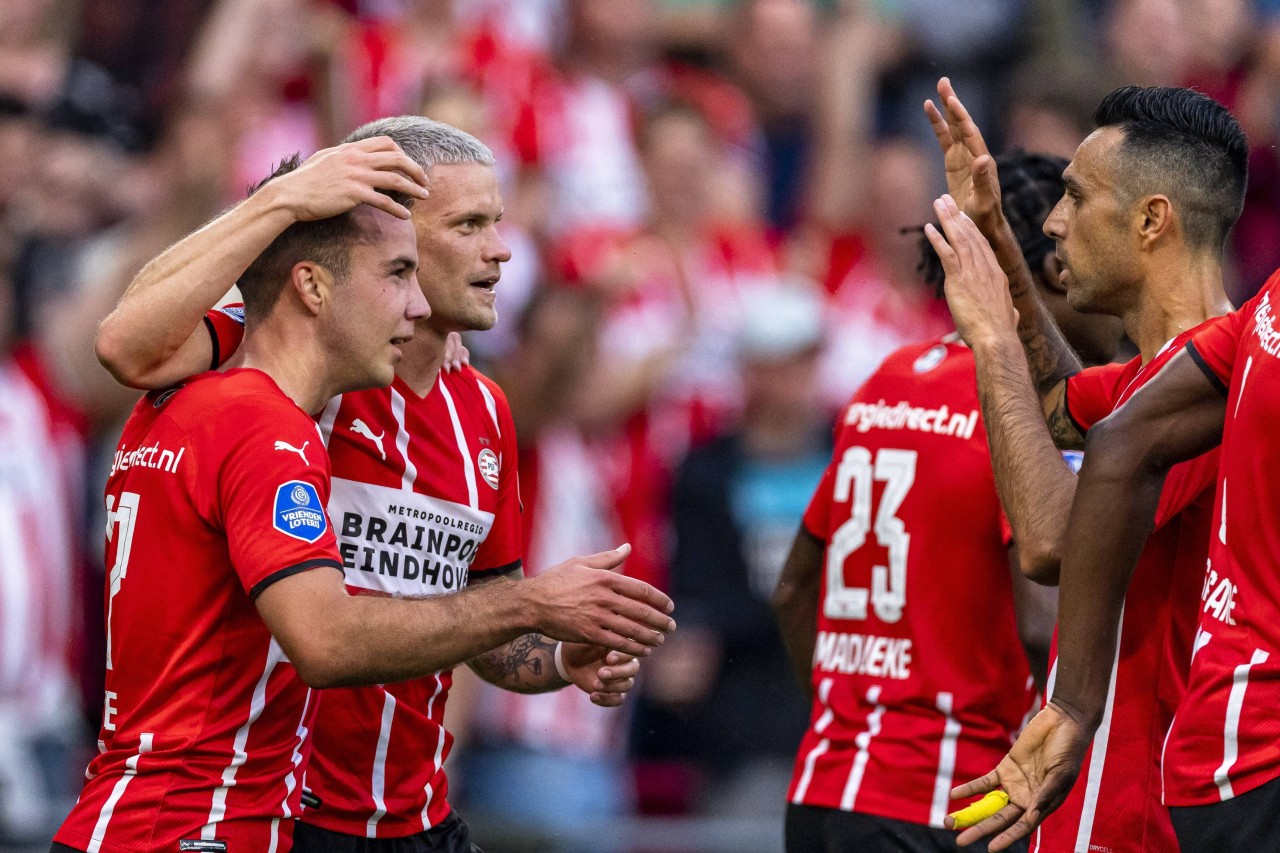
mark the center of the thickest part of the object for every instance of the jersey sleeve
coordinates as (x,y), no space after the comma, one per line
(272,489)
(817,517)
(226,330)
(1214,347)
(1186,482)
(499,554)
(1091,394)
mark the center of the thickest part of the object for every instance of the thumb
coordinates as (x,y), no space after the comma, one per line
(608,560)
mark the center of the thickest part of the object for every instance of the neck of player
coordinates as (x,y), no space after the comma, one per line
(1175,298)
(423,357)
(303,373)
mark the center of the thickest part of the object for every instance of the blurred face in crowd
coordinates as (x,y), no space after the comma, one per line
(459,249)
(1147,41)
(678,157)
(1091,227)
(615,28)
(376,304)
(782,386)
(775,54)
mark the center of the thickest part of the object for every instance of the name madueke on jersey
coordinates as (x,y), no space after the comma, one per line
(405,543)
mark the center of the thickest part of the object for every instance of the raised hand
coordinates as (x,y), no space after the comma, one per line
(971,170)
(334,180)
(456,353)
(582,600)
(976,287)
(1037,774)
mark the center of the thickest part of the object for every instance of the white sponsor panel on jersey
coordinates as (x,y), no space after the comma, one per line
(402,542)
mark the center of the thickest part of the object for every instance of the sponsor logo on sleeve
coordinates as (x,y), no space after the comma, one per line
(489,466)
(298,511)
(200,846)
(1074,459)
(1265,326)
(301,451)
(235,312)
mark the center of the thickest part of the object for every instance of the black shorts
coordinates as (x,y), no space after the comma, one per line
(450,835)
(817,830)
(1249,822)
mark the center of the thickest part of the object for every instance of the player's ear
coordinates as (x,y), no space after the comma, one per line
(312,282)
(1156,219)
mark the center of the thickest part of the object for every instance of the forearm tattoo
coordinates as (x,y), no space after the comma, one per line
(525,665)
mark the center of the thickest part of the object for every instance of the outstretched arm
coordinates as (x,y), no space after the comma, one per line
(335,639)
(972,181)
(1174,417)
(1035,484)
(528,664)
(154,336)
(795,603)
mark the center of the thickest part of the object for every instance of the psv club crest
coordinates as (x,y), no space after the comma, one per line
(489,466)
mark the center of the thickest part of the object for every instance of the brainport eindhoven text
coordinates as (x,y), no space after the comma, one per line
(442,559)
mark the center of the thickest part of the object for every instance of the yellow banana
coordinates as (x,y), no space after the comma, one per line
(976,813)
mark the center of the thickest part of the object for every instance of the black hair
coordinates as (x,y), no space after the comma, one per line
(1030,186)
(327,242)
(1187,145)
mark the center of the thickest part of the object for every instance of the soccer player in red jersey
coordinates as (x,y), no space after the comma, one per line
(1137,246)
(899,604)
(1215,751)
(424,502)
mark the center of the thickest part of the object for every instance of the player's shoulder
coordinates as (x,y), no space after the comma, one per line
(933,357)
(225,401)
(479,388)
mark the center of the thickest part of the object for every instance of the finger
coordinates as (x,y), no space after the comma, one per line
(620,672)
(981,785)
(649,627)
(612,639)
(1001,820)
(952,226)
(617,686)
(607,559)
(966,126)
(608,700)
(1020,830)
(949,262)
(392,180)
(638,590)
(939,125)
(385,144)
(382,202)
(397,161)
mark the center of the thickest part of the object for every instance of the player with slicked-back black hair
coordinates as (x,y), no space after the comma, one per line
(1185,144)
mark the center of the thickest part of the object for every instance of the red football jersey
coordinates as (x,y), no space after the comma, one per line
(1115,805)
(1225,740)
(919,677)
(425,494)
(217,490)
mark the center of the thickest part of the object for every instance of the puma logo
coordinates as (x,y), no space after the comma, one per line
(301,451)
(359,427)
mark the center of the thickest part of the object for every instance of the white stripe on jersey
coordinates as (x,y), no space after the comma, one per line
(275,835)
(1248,365)
(863,742)
(824,694)
(431,704)
(467,465)
(402,442)
(1222,527)
(378,785)
(291,781)
(491,405)
(1231,730)
(946,762)
(218,809)
(20,640)
(1098,759)
(109,807)
(327,417)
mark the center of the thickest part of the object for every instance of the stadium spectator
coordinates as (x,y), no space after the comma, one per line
(734,505)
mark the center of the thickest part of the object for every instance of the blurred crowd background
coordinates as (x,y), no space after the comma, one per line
(714,208)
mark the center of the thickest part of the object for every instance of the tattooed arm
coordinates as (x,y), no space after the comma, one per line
(527,665)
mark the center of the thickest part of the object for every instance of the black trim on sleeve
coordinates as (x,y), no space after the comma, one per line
(1206,369)
(213,339)
(485,574)
(1066,404)
(281,574)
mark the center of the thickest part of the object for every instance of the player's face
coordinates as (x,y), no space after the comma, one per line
(459,249)
(1090,225)
(376,307)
